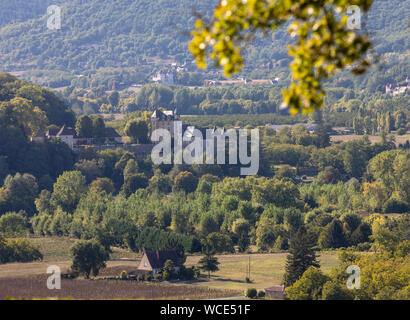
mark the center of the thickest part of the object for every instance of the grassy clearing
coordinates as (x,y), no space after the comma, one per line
(266,270)
(54,248)
(56,251)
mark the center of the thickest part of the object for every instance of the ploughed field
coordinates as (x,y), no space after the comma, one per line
(35,288)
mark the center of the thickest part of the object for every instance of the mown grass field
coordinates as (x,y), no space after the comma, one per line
(266,270)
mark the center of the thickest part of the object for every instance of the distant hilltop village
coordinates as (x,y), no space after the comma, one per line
(242,81)
(168,76)
(394,90)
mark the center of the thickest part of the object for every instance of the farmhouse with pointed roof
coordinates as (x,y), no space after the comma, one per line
(153,261)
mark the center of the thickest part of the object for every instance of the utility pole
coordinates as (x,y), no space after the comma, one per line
(249,262)
(249,268)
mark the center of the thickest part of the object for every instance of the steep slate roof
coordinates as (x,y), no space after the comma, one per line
(65,131)
(111,133)
(156,114)
(164,115)
(52,132)
(157,259)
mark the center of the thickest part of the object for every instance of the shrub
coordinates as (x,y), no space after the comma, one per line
(18,250)
(334,291)
(148,276)
(24,251)
(88,257)
(124,275)
(13,224)
(365,246)
(168,270)
(188,273)
(5,251)
(395,206)
(196,271)
(309,286)
(69,275)
(261,294)
(251,293)
(165,276)
(159,276)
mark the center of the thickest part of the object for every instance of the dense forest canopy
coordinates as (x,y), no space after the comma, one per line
(26,110)
(20,10)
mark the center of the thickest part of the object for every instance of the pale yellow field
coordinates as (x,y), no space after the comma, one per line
(266,270)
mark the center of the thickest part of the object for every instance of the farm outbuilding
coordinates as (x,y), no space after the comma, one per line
(275,292)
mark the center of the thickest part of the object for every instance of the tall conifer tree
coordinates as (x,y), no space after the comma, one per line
(301,257)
